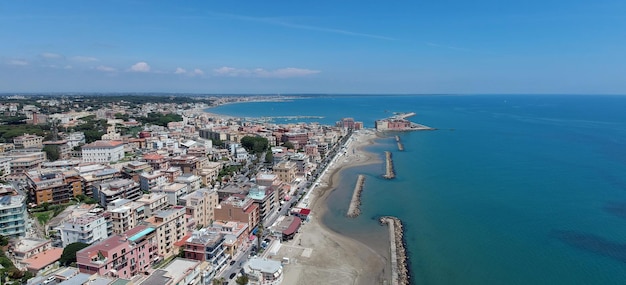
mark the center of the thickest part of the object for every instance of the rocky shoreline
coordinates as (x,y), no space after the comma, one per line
(399,257)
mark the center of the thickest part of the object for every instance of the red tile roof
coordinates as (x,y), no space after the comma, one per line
(295,224)
(41,260)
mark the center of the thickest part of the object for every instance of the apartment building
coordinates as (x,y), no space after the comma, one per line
(28,141)
(13,213)
(173,191)
(92,175)
(236,235)
(266,198)
(238,208)
(189,164)
(205,245)
(151,180)
(103,151)
(201,204)
(153,203)
(22,162)
(87,229)
(106,192)
(53,186)
(209,173)
(123,256)
(156,161)
(193,181)
(125,215)
(134,169)
(286,171)
(170,228)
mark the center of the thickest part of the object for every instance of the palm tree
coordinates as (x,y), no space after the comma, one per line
(219,281)
(259,235)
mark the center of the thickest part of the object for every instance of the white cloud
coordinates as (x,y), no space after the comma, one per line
(263,73)
(18,62)
(287,72)
(80,58)
(180,71)
(50,55)
(105,68)
(140,67)
(198,71)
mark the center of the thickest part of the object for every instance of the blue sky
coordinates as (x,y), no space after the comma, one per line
(444,46)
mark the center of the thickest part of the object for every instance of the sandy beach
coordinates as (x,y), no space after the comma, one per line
(321,256)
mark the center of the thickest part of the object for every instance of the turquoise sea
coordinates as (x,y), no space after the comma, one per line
(511,189)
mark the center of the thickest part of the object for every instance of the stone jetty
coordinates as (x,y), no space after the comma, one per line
(399,257)
(389,173)
(355,204)
(400,145)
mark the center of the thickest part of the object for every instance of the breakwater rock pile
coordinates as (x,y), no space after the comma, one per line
(400,145)
(389,173)
(399,257)
(355,204)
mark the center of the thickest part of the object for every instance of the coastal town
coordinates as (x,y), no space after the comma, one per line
(150,189)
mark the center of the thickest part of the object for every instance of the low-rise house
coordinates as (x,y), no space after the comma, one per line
(43,261)
(262,271)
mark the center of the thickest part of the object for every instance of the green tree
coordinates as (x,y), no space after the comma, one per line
(4,241)
(52,152)
(242,280)
(289,145)
(269,157)
(259,235)
(69,253)
(219,281)
(255,145)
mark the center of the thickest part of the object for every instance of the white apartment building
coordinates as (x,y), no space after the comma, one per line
(173,191)
(87,229)
(125,215)
(12,214)
(194,182)
(151,180)
(153,203)
(103,151)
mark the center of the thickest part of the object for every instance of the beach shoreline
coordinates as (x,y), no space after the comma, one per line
(336,258)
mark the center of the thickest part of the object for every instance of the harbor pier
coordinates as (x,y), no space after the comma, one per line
(399,258)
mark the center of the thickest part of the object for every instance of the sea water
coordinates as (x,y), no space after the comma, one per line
(510,189)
